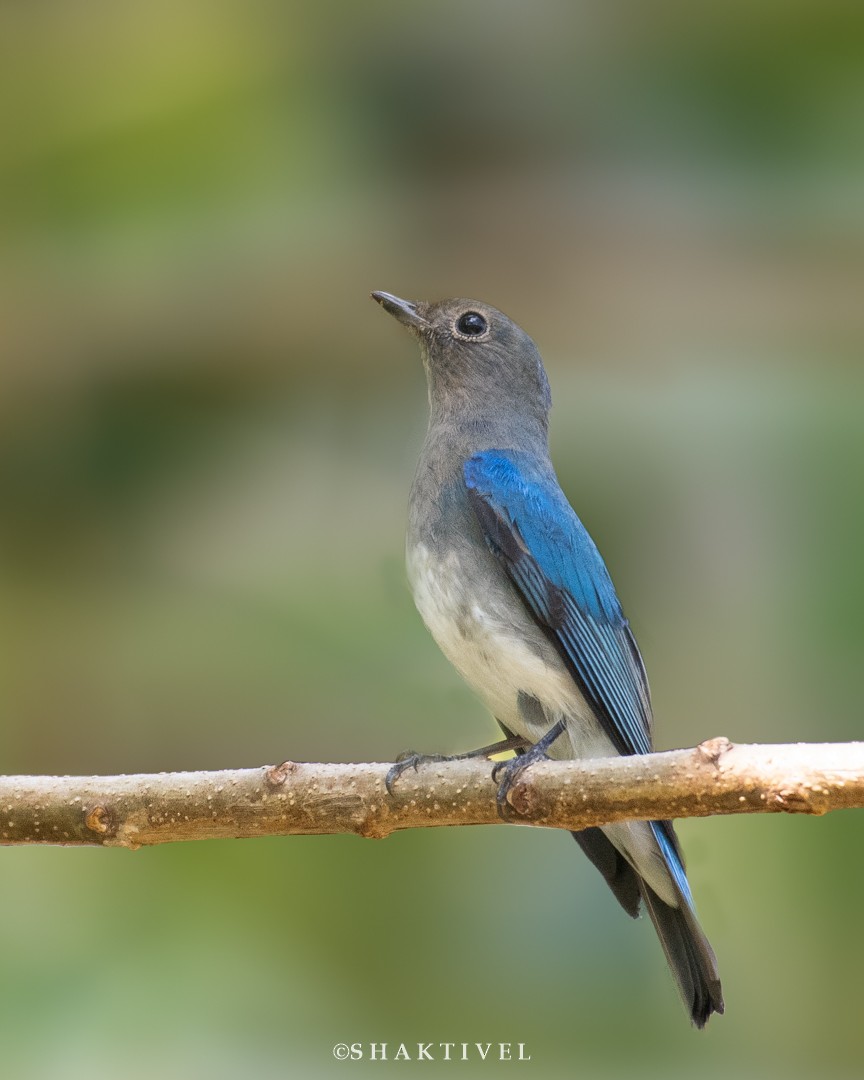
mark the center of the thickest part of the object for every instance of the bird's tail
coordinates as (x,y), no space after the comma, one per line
(690,956)
(687,949)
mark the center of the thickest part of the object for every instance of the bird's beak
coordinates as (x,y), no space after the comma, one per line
(404,310)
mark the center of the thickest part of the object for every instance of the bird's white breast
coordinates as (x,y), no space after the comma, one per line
(489,646)
(500,655)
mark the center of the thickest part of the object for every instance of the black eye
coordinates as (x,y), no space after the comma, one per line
(472,323)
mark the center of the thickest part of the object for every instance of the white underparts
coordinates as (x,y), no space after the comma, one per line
(500,658)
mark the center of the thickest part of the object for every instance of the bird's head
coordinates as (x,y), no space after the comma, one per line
(477,360)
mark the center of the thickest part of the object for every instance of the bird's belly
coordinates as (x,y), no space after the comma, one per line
(501,653)
(493,644)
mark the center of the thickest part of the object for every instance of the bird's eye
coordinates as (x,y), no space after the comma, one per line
(471,324)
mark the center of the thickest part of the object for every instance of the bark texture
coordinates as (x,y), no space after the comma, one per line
(297,798)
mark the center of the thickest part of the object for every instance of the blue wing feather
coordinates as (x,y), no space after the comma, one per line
(562,579)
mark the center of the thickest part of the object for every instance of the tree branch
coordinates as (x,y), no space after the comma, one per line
(294,798)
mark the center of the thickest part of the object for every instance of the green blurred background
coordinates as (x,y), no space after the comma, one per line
(207,434)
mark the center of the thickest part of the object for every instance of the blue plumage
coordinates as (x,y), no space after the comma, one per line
(665,838)
(563,581)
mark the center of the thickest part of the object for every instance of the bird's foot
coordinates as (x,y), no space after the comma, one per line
(409,759)
(507,773)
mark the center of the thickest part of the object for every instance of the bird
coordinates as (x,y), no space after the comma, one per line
(518,598)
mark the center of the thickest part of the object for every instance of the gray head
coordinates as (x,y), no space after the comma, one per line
(478,362)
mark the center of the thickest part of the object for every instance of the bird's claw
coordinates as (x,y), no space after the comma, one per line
(408,759)
(506,774)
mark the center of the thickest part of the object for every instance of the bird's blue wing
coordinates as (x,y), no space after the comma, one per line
(562,580)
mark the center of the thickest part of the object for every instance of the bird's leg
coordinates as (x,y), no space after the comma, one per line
(508,772)
(411,760)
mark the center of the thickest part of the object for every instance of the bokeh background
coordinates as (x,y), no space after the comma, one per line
(207,434)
